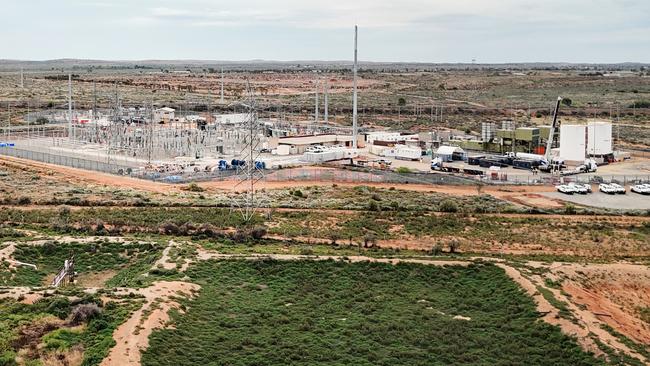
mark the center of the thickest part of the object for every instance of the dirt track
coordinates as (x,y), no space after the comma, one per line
(133,335)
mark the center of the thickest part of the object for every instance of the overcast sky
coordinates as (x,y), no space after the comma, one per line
(396,30)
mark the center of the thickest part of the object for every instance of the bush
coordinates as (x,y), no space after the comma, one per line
(169,228)
(58,306)
(373,206)
(454,245)
(193,187)
(258,232)
(99,226)
(640,104)
(83,313)
(403,170)
(298,193)
(369,240)
(448,206)
(569,209)
(239,236)
(8,358)
(334,236)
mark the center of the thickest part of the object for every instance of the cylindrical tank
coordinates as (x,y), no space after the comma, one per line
(599,138)
(573,142)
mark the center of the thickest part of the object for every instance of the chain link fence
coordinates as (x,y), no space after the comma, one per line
(73,162)
(313,173)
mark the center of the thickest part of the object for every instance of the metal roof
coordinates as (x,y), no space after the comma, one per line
(314,139)
(448,150)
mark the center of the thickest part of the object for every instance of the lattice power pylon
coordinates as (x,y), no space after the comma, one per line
(249,170)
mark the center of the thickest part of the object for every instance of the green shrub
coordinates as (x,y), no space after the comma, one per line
(193,187)
(61,339)
(448,206)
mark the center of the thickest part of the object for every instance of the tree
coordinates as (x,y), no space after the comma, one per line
(479,188)
(401,101)
(369,240)
(567,102)
(454,245)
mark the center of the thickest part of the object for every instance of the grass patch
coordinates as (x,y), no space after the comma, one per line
(89,257)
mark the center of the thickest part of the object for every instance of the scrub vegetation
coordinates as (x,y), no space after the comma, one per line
(332,313)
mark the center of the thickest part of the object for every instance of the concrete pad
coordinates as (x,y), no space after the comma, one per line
(628,201)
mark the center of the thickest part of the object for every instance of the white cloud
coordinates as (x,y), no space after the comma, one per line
(459,29)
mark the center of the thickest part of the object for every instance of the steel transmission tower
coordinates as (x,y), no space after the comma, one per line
(251,172)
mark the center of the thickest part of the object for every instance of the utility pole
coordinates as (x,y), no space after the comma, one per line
(9,130)
(22,78)
(221,84)
(209,119)
(95,111)
(316,110)
(326,101)
(354,95)
(69,106)
(28,126)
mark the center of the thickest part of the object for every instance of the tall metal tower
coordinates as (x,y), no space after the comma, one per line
(326,91)
(316,107)
(249,170)
(70,106)
(354,95)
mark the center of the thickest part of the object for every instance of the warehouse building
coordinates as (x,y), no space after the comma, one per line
(296,145)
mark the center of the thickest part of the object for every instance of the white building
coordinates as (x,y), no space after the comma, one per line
(389,137)
(599,138)
(163,115)
(231,119)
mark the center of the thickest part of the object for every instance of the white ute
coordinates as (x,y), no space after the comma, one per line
(641,189)
(566,189)
(580,188)
(619,188)
(606,188)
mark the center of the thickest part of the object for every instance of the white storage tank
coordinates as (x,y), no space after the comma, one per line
(573,141)
(599,138)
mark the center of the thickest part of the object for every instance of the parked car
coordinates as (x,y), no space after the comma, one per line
(619,188)
(580,188)
(566,189)
(606,188)
(641,189)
